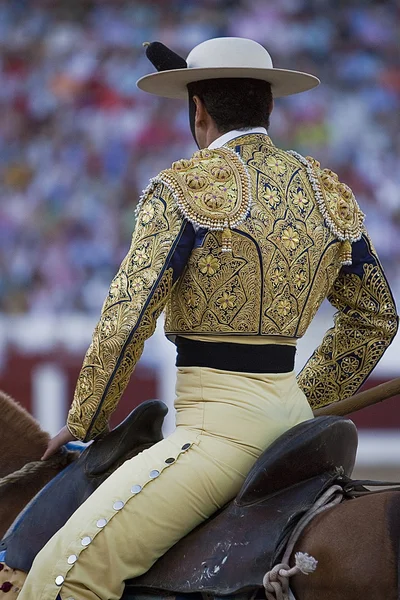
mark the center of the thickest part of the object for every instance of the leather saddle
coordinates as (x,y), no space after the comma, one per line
(230,552)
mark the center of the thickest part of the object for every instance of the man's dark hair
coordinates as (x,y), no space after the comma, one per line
(235,103)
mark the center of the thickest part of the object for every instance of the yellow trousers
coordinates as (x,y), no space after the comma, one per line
(225,421)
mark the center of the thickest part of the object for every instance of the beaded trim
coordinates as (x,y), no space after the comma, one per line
(346,235)
(211,219)
(147,190)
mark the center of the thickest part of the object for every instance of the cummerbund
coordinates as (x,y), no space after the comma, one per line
(243,358)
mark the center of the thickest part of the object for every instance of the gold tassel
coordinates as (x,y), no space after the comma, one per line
(345,253)
(227,240)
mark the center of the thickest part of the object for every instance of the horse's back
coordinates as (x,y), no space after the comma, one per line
(357,547)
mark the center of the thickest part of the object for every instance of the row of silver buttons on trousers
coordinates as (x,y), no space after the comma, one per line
(118,505)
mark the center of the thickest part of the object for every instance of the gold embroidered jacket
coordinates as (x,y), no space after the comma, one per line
(242,240)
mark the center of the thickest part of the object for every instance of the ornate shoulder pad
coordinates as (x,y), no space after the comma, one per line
(337,204)
(212,190)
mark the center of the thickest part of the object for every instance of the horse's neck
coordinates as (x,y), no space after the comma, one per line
(21,439)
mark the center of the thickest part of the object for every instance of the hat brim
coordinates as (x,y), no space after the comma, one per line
(173,83)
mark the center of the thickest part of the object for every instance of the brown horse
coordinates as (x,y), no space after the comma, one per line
(357,543)
(22,475)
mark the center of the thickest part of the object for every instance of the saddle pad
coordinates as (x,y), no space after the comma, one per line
(231,552)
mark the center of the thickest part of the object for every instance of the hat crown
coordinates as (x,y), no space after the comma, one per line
(230,52)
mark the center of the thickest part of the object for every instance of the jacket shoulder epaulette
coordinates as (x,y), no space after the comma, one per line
(212,189)
(336,203)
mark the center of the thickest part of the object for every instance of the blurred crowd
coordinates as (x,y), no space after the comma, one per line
(79,141)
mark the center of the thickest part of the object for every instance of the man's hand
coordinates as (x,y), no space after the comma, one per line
(62,437)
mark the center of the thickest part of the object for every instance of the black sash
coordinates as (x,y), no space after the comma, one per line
(244,358)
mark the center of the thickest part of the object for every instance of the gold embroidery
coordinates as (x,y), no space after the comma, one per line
(137,296)
(290,238)
(271,196)
(284,258)
(227,301)
(363,329)
(276,165)
(337,204)
(300,200)
(212,190)
(208,265)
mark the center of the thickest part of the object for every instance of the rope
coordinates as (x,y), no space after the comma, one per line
(61,459)
(276,581)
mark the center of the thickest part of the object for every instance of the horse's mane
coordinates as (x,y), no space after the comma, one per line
(21,438)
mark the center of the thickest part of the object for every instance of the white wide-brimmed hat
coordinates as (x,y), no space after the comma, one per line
(227,57)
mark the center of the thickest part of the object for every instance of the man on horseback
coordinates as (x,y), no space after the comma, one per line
(241,244)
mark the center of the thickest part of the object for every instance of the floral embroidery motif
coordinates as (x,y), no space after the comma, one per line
(227,301)
(278,276)
(191,298)
(108,326)
(290,238)
(214,200)
(140,256)
(350,364)
(283,307)
(221,172)
(147,214)
(300,279)
(276,165)
(196,182)
(137,285)
(209,265)
(116,286)
(300,200)
(272,197)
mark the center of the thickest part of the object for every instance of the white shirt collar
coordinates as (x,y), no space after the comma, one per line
(231,135)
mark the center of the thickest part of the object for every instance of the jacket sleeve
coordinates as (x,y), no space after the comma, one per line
(161,243)
(364,326)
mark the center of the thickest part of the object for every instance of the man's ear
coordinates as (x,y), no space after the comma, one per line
(200,110)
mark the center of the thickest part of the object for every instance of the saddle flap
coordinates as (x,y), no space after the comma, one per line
(231,552)
(324,444)
(142,427)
